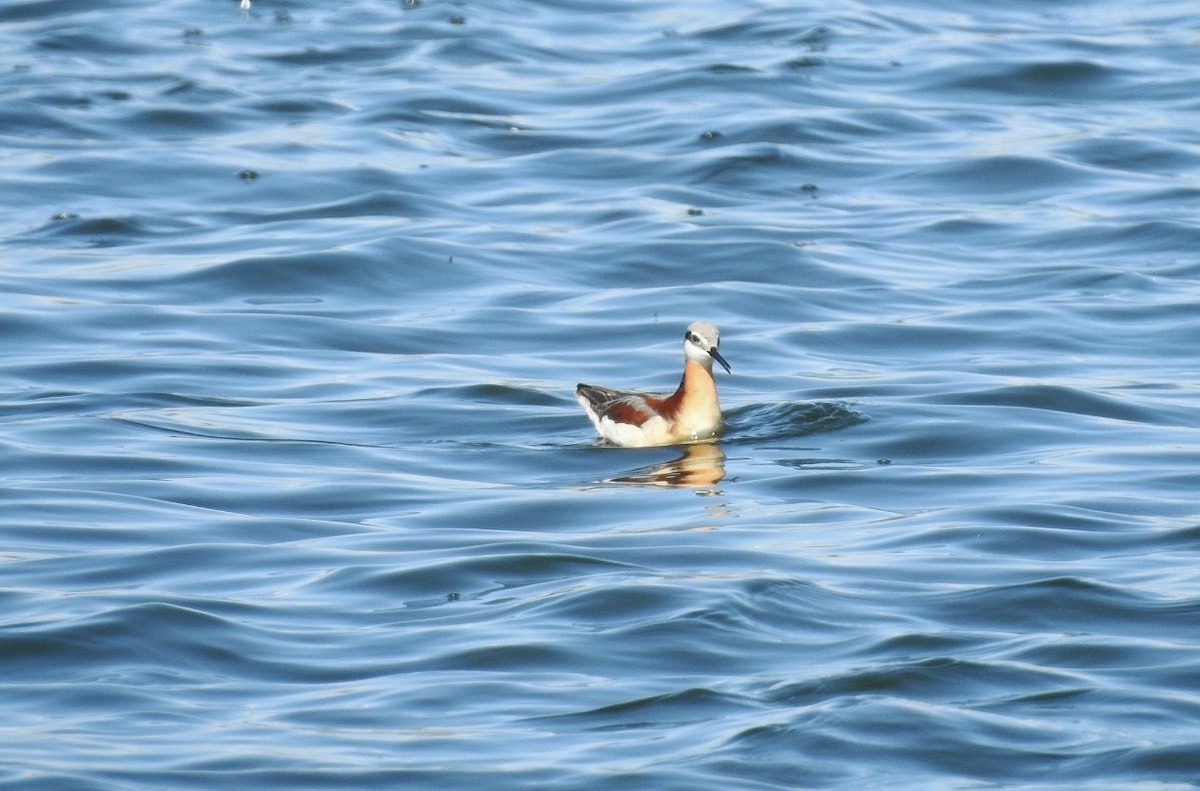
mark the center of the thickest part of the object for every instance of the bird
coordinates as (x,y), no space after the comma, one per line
(642,420)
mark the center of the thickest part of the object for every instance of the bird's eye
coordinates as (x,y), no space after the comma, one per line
(691,336)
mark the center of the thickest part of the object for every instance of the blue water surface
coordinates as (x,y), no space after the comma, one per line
(296,495)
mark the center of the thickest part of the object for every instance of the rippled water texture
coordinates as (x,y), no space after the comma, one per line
(294,299)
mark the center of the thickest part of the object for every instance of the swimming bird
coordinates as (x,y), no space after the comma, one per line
(690,414)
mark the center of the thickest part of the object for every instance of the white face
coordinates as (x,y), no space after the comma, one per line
(700,344)
(696,346)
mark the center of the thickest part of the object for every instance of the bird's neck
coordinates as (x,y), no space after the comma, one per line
(697,389)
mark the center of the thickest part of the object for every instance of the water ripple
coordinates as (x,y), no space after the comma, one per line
(297,495)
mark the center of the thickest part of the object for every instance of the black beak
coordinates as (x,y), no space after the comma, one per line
(716,355)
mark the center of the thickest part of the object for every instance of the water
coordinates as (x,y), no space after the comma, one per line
(296,495)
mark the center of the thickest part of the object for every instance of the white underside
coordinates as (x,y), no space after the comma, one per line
(654,432)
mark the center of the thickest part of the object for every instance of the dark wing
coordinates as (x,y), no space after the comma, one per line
(619,406)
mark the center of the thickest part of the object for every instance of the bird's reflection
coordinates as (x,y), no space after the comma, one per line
(701,465)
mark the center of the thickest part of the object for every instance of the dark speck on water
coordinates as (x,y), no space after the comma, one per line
(296,494)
